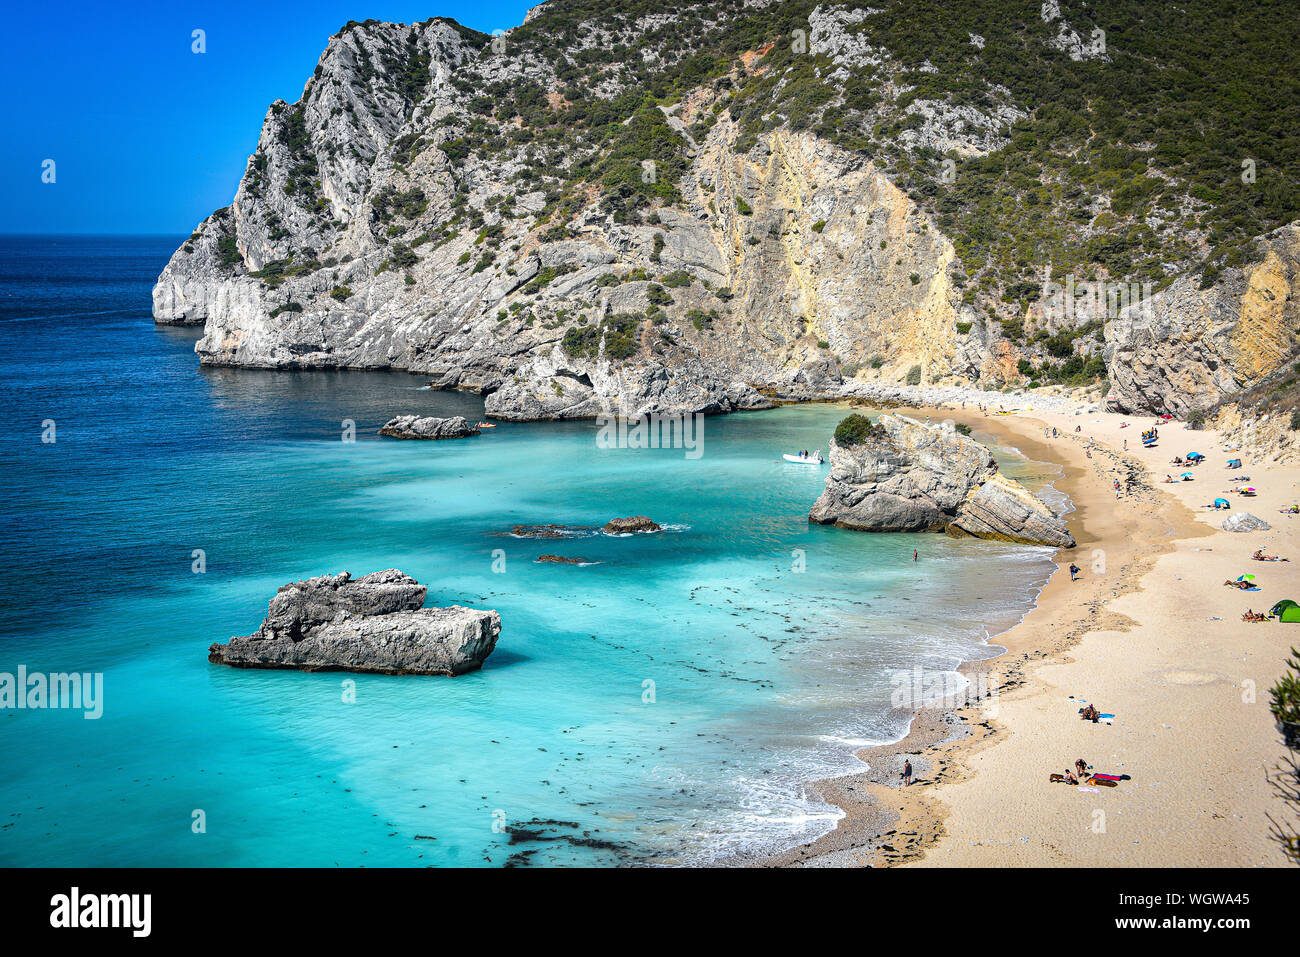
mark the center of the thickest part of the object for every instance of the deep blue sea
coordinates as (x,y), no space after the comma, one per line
(664,704)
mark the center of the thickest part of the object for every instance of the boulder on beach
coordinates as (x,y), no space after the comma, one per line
(376,623)
(634,523)
(1245,522)
(901,475)
(428,427)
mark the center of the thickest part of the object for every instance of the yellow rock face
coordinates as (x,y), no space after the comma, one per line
(831,241)
(1264,333)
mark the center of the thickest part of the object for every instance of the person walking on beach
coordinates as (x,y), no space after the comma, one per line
(1074,572)
(907,772)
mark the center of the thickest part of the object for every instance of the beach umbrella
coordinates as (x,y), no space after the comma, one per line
(1247,489)
(1222,503)
(1245,578)
(1187,475)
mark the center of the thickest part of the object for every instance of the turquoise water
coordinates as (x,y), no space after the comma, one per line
(764,676)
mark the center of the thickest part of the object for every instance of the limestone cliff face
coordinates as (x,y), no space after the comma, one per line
(348,245)
(1196,347)
(911,477)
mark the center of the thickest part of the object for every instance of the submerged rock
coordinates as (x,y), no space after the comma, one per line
(905,476)
(428,427)
(562,560)
(635,523)
(551,531)
(376,623)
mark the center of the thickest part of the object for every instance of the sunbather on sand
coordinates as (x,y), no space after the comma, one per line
(1090,714)
(1253,616)
(1082,767)
(1259,556)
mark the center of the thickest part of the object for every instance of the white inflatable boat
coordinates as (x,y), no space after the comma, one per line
(814,459)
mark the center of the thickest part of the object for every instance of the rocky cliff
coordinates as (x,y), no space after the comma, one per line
(621,210)
(906,476)
(376,623)
(1192,347)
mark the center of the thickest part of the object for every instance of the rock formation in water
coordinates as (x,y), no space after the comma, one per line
(376,623)
(428,427)
(906,476)
(618,210)
(552,531)
(635,523)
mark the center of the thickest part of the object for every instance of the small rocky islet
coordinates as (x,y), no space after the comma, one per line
(615,526)
(901,475)
(376,623)
(428,427)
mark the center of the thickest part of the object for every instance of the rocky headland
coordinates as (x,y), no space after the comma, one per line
(901,475)
(376,623)
(573,232)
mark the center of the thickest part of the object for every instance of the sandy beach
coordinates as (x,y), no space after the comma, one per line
(1148,632)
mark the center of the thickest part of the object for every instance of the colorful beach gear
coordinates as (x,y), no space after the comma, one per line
(1286,610)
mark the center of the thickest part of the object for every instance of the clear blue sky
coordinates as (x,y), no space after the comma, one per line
(147,136)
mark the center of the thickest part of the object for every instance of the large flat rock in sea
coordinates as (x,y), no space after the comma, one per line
(373,624)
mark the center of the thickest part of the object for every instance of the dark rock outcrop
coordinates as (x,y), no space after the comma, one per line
(376,623)
(428,427)
(551,531)
(635,523)
(562,560)
(907,476)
